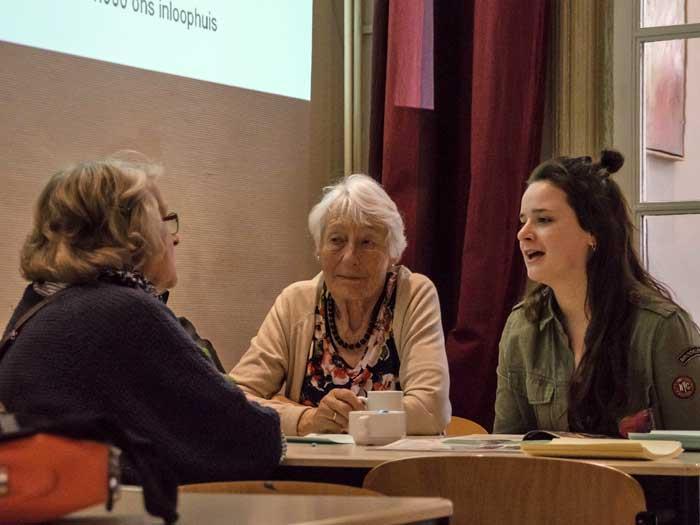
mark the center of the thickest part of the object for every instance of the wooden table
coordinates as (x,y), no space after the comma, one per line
(354,456)
(215,509)
(672,487)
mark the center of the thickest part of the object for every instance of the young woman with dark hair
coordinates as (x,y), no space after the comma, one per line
(598,345)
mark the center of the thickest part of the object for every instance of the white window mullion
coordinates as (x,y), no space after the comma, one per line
(653,34)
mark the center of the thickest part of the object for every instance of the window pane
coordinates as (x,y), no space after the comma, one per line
(669,12)
(671,113)
(673,257)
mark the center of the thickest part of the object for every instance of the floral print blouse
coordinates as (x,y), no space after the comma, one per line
(377,370)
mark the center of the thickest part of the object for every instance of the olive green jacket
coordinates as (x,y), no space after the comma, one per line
(536,363)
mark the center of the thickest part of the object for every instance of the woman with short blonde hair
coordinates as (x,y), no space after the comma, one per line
(98,341)
(94,215)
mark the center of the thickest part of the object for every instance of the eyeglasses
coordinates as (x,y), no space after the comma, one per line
(172,222)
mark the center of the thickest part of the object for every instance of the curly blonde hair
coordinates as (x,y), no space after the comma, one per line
(94,215)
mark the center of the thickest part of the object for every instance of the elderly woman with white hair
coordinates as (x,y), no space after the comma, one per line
(364,323)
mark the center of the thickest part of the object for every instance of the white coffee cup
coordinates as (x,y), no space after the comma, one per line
(383,400)
(377,427)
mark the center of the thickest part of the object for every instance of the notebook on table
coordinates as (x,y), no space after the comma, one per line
(603,448)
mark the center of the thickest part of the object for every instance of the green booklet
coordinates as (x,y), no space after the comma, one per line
(689,438)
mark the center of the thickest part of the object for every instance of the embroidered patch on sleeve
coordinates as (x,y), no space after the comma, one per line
(683,387)
(690,354)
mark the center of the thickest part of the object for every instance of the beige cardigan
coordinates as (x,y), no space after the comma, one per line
(275,363)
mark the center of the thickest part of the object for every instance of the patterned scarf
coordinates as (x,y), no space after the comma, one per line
(377,370)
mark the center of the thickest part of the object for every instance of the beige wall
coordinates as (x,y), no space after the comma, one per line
(242,168)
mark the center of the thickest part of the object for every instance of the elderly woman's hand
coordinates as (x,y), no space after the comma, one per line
(331,415)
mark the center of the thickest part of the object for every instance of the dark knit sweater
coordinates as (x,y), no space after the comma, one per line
(108,349)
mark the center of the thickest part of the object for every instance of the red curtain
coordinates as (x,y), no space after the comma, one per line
(458,96)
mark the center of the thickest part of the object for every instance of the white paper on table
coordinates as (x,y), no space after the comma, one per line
(415,444)
(488,437)
(461,444)
(323,439)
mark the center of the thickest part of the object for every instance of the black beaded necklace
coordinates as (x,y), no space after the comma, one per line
(330,322)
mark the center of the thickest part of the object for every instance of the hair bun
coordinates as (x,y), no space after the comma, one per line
(612,160)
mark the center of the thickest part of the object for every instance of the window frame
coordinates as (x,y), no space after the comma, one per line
(629,38)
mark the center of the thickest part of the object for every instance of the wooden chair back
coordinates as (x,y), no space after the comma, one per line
(279,487)
(515,489)
(459,426)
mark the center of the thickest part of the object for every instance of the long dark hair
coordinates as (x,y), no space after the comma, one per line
(598,389)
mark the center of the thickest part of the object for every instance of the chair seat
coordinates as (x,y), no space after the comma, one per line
(459,426)
(515,489)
